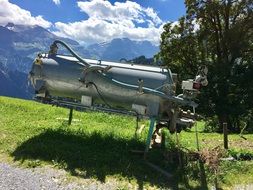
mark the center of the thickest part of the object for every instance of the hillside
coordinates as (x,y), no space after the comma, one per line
(97,147)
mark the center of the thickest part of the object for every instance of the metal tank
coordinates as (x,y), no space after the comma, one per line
(146,91)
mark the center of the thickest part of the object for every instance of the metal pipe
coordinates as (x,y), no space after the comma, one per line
(150,132)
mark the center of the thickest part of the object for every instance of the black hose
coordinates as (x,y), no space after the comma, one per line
(100,95)
(71,51)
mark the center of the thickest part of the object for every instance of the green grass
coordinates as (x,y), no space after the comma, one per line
(97,146)
(211,140)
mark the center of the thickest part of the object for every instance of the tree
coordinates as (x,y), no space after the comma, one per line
(219,34)
(142,60)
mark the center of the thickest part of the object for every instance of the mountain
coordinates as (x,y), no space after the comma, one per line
(122,48)
(19,45)
(14,84)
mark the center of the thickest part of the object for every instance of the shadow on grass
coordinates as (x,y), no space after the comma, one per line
(93,155)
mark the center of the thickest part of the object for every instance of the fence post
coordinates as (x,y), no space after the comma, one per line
(225,134)
(70,116)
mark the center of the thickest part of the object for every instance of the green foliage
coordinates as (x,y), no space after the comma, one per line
(218,34)
(212,125)
(142,60)
(228,170)
(241,154)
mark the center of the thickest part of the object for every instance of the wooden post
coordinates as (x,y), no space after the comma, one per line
(225,133)
(70,116)
(197,136)
(196,131)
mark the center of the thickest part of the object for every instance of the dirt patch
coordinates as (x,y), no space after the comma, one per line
(242,144)
(232,143)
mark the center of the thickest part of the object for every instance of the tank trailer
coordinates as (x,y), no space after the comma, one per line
(126,88)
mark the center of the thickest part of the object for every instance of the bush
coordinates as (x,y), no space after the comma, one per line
(211,124)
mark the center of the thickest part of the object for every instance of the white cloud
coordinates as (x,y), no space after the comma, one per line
(12,13)
(107,21)
(57,2)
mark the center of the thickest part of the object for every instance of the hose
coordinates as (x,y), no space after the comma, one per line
(71,51)
(100,95)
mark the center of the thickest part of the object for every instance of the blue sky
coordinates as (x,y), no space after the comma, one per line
(68,11)
(91,21)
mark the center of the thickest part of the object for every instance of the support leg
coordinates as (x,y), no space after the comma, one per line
(150,132)
(70,116)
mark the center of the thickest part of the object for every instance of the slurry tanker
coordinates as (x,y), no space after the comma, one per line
(141,90)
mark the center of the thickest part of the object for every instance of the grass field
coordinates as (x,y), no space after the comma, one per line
(97,146)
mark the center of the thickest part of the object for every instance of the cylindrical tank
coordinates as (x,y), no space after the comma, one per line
(146,90)
(118,84)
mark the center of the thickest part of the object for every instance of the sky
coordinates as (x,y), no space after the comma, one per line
(95,21)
